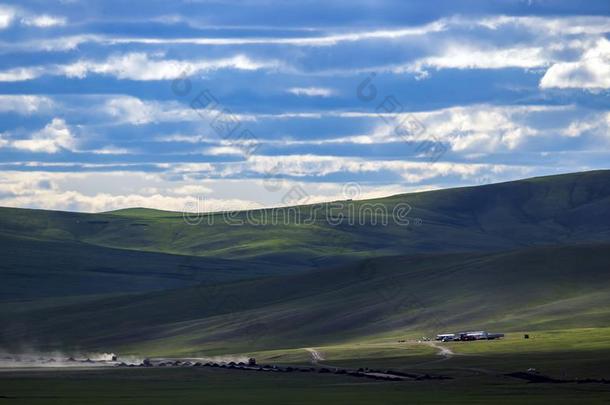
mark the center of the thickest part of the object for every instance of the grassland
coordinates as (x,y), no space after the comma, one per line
(395,297)
(561,354)
(204,386)
(522,257)
(550,210)
(478,374)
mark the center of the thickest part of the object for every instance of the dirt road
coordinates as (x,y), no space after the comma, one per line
(444,351)
(316,356)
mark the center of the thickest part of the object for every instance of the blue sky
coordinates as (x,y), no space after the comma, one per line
(221,105)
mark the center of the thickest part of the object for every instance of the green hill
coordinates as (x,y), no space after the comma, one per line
(33,268)
(529,254)
(534,288)
(556,209)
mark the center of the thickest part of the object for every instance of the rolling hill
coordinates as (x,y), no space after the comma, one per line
(557,209)
(529,254)
(534,288)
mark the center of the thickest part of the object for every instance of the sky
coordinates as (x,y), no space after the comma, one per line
(212,105)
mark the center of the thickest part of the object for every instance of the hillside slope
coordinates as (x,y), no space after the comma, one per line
(548,210)
(35,269)
(534,288)
(526,254)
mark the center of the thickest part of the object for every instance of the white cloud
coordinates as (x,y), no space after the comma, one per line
(549,46)
(20,74)
(74,192)
(101,202)
(7,15)
(460,56)
(59,43)
(110,150)
(223,150)
(591,71)
(379,136)
(182,138)
(588,25)
(140,66)
(70,42)
(480,128)
(192,190)
(51,139)
(43,21)
(25,104)
(99,191)
(321,40)
(477,128)
(322,165)
(132,110)
(543,26)
(596,124)
(311,91)
(129,110)
(327,39)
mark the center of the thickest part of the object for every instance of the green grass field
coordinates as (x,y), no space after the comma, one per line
(207,386)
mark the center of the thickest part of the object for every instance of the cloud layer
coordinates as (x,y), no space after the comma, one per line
(104,107)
